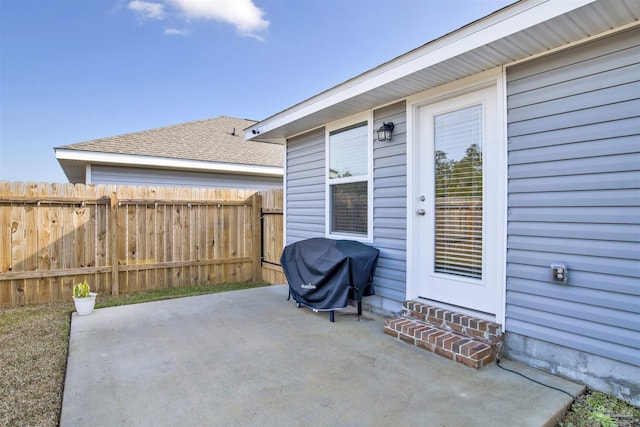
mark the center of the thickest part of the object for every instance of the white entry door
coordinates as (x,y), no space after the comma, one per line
(461,202)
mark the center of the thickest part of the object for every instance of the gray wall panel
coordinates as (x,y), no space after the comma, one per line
(390,182)
(602,113)
(605,332)
(623,197)
(574,197)
(390,202)
(623,269)
(607,299)
(394,172)
(606,79)
(306,197)
(593,131)
(301,168)
(591,215)
(384,289)
(603,164)
(305,184)
(602,55)
(305,187)
(615,180)
(576,310)
(595,98)
(622,353)
(175,178)
(576,246)
(610,232)
(584,149)
(389,205)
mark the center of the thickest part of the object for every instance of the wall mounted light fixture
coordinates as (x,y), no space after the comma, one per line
(385,132)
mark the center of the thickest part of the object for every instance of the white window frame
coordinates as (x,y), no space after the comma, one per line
(367,118)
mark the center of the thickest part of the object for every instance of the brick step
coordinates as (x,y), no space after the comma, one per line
(468,340)
(463,324)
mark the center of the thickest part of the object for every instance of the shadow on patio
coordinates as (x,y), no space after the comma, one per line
(252,358)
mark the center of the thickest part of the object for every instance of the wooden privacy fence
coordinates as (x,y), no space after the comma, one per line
(124,238)
(272,232)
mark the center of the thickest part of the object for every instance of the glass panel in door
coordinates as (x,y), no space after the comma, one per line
(459,219)
(458,192)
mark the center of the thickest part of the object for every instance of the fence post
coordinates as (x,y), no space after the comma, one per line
(256,237)
(113,225)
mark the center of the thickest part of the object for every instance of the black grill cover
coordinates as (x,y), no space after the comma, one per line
(324,273)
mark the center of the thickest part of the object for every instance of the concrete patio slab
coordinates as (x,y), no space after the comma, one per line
(251,358)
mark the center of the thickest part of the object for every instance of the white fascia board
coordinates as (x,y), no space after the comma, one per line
(490,29)
(165,163)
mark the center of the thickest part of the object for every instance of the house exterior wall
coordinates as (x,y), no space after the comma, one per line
(305,201)
(574,199)
(390,209)
(304,192)
(142,176)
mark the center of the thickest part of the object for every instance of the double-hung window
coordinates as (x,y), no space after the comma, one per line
(348,181)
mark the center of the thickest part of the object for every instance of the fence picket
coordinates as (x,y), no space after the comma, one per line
(5,244)
(57,214)
(123,238)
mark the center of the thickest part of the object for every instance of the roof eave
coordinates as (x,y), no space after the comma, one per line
(69,158)
(334,102)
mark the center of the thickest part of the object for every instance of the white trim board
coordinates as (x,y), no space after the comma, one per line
(495,79)
(166,163)
(494,27)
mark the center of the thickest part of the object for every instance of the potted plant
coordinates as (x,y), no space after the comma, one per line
(83,298)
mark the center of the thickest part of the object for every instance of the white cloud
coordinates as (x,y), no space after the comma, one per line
(242,14)
(147,10)
(176,32)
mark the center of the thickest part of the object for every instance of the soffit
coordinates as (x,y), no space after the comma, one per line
(573,26)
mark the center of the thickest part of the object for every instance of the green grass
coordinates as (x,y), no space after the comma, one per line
(595,409)
(169,293)
(34,342)
(33,357)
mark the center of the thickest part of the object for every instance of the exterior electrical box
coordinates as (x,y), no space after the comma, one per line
(559,274)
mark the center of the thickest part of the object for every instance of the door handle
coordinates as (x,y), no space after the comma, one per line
(421,212)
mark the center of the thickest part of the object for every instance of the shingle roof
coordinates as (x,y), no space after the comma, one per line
(205,140)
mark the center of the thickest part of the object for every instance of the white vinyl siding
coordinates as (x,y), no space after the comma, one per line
(574,198)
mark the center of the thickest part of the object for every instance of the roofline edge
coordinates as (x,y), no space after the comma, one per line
(115,159)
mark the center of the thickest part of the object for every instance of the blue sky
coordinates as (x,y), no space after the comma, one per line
(72,71)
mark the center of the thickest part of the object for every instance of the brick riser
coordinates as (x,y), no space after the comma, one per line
(465,339)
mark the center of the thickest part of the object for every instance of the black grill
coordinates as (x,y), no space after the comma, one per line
(324,274)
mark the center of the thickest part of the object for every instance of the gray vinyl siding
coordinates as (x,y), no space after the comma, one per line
(574,197)
(390,204)
(169,177)
(305,186)
(305,197)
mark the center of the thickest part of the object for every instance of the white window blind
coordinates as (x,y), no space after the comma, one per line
(458,192)
(350,208)
(348,152)
(349,180)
